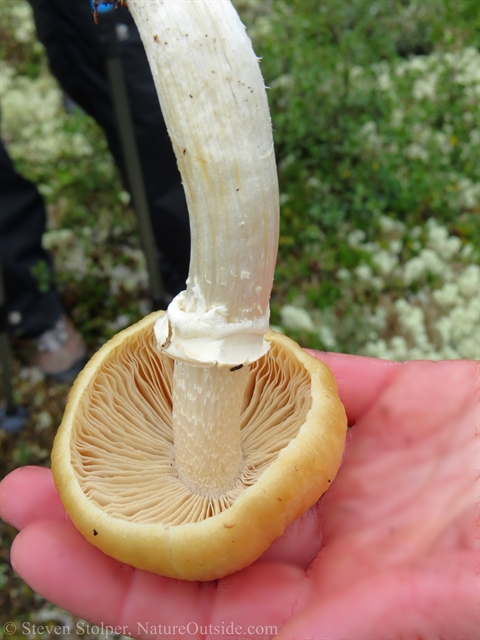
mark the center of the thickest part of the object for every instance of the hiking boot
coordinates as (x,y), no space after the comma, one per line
(61,352)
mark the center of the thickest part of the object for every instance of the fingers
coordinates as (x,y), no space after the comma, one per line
(28,494)
(57,562)
(360,380)
(60,565)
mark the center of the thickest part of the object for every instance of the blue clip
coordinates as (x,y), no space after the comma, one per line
(102,7)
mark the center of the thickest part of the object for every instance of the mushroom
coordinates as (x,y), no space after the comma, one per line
(193,438)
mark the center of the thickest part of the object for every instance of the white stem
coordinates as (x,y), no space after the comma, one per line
(214,103)
(206,427)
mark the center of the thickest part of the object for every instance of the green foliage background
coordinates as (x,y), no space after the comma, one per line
(372,117)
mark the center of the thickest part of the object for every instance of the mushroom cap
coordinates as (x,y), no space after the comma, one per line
(114,466)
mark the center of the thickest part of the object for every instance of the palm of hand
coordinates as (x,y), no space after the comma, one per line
(392,542)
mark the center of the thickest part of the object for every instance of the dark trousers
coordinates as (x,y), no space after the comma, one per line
(77,51)
(33,304)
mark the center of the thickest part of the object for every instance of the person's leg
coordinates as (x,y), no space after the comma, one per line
(77,51)
(33,306)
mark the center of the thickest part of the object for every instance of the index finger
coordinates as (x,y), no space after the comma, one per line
(27,495)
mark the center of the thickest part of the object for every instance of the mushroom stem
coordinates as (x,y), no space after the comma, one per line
(206,427)
(214,103)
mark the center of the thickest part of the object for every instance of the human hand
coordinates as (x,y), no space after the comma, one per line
(388,552)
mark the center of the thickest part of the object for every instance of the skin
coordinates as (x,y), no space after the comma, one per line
(387,553)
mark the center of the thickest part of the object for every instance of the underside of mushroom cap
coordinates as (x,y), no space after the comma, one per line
(114,463)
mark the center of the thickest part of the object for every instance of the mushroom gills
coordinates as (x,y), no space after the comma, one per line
(122,449)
